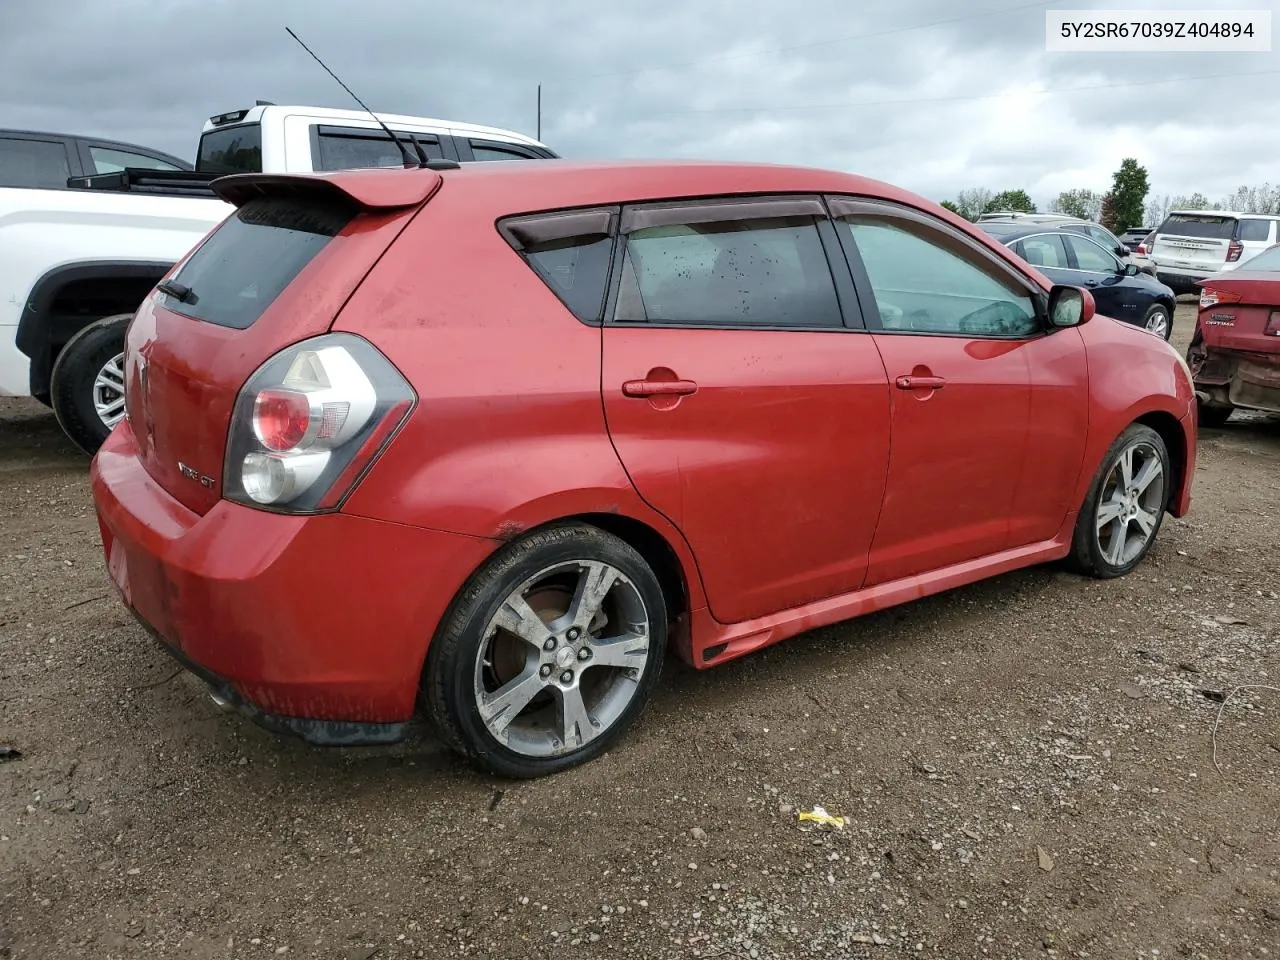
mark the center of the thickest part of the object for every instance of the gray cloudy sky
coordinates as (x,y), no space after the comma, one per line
(696,78)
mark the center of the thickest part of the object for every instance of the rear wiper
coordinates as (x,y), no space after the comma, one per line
(179,291)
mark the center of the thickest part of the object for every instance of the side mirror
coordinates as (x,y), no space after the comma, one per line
(1131,269)
(1070,306)
(1123,251)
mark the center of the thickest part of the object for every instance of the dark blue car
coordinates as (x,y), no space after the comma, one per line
(1120,291)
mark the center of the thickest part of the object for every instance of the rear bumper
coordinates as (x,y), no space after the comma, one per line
(1240,379)
(316,626)
(1182,279)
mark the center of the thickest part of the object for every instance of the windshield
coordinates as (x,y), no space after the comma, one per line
(235,149)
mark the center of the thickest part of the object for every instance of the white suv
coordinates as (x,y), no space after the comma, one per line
(1193,244)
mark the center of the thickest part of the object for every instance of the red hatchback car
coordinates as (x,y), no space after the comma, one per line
(491,439)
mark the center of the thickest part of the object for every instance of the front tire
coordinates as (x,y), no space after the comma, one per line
(1125,506)
(1159,321)
(549,653)
(87,382)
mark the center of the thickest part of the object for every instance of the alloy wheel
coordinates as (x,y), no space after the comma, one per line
(1130,503)
(108,391)
(562,658)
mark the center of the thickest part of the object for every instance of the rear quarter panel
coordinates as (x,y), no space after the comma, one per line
(509,431)
(1135,375)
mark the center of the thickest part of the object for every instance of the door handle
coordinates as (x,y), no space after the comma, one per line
(921,383)
(658,388)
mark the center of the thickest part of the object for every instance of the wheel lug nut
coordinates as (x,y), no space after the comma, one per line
(546,670)
(550,644)
(573,634)
(584,653)
(566,677)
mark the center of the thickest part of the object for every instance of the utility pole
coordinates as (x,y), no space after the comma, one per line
(539,136)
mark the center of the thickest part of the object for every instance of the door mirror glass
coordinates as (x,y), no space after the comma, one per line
(1131,270)
(1070,306)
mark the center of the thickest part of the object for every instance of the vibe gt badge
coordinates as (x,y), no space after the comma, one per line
(192,474)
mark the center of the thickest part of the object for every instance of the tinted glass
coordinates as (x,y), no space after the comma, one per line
(1045,250)
(235,149)
(496,153)
(751,272)
(1254,230)
(1268,259)
(33,163)
(1090,256)
(256,252)
(1199,225)
(577,271)
(112,161)
(927,282)
(344,152)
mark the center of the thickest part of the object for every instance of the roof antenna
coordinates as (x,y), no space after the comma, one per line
(422,160)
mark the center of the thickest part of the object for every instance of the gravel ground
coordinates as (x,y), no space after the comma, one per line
(1026,766)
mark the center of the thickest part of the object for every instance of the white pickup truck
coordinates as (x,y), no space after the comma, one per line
(76,260)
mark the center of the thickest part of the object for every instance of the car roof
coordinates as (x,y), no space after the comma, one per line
(1030,230)
(257,113)
(547,184)
(1225,214)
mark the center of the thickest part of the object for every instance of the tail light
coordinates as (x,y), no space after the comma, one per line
(1234,249)
(310,422)
(1148,243)
(1212,296)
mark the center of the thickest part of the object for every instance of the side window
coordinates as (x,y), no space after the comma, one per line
(1108,241)
(1091,257)
(489,151)
(354,148)
(106,160)
(1044,250)
(927,281)
(735,265)
(33,163)
(570,251)
(1255,230)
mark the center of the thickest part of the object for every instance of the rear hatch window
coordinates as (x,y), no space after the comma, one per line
(235,149)
(1207,226)
(241,269)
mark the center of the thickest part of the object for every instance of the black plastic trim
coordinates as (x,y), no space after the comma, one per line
(321,733)
(35,336)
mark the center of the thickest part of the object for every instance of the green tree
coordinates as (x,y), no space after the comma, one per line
(1109,216)
(1129,189)
(951,206)
(1010,200)
(1082,203)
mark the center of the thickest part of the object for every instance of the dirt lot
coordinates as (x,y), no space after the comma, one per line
(1026,765)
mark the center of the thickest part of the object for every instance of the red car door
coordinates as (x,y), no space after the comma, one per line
(954,325)
(741,404)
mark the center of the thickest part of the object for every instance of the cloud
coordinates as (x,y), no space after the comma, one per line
(670,79)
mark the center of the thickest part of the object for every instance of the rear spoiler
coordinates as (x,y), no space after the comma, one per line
(369,189)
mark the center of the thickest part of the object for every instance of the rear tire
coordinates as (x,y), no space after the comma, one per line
(1125,506)
(548,654)
(87,383)
(1159,321)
